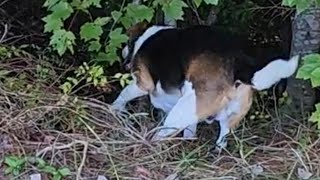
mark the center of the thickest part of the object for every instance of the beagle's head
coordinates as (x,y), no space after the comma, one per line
(134,32)
(138,34)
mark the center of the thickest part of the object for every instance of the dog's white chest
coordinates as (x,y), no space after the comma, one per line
(161,100)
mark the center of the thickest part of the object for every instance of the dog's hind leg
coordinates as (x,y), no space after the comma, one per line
(182,115)
(190,131)
(235,111)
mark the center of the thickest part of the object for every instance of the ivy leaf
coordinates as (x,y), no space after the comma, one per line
(302,5)
(310,63)
(62,40)
(289,3)
(315,77)
(101,21)
(64,171)
(90,31)
(305,71)
(61,10)
(315,117)
(213,2)
(126,21)
(94,46)
(173,9)
(52,23)
(116,15)
(11,161)
(197,2)
(50,3)
(117,37)
(95,3)
(139,12)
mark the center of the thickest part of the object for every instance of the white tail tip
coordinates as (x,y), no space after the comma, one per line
(274,72)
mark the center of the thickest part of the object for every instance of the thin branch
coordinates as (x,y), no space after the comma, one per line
(5,32)
(5,1)
(85,151)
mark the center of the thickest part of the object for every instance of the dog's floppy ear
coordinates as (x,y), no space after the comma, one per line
(137,29)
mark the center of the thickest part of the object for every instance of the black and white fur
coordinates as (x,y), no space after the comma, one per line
(171,50)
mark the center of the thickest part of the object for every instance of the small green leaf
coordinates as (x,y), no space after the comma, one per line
(64,172)
(41,162)
(311,58)
(139,12)
(61,10)
(213,2)
(16,172)
(57,177)
(302,5)
(90,31)
(89,79)
(289,3)
(174,9)
(315,117)
(4,72)
(50,3)
(95,3)
(11,161)
(52,23)
(73,80)
(62,40)
(101,21)
(197,3)
(95,82)
(117,37)
(117,75)
(94,46)
(49,169)
(122,83)
(66,87)
(103,81)
(116,15)
(126,21)
(8,170)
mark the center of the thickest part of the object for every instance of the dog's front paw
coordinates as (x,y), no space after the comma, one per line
(117,107)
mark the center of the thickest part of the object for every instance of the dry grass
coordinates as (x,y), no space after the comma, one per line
(82,134)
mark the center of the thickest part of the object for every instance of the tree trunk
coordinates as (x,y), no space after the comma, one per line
(305,40)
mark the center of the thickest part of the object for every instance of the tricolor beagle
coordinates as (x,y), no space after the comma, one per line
(194,74)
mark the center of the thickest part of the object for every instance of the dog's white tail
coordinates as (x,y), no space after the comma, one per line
(274,72)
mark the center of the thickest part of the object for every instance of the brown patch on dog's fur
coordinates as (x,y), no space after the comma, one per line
(213,83)
(137,29)
(245,92)
(141,72)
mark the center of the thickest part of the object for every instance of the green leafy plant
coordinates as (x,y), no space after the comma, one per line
(57,173)
(124,79)
(102,44)
(310,70)
(91,74)
(300,5)
(15,164)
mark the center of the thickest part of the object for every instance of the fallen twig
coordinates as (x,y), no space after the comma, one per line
(5,32)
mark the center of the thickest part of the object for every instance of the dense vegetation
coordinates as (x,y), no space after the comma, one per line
(61,66)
